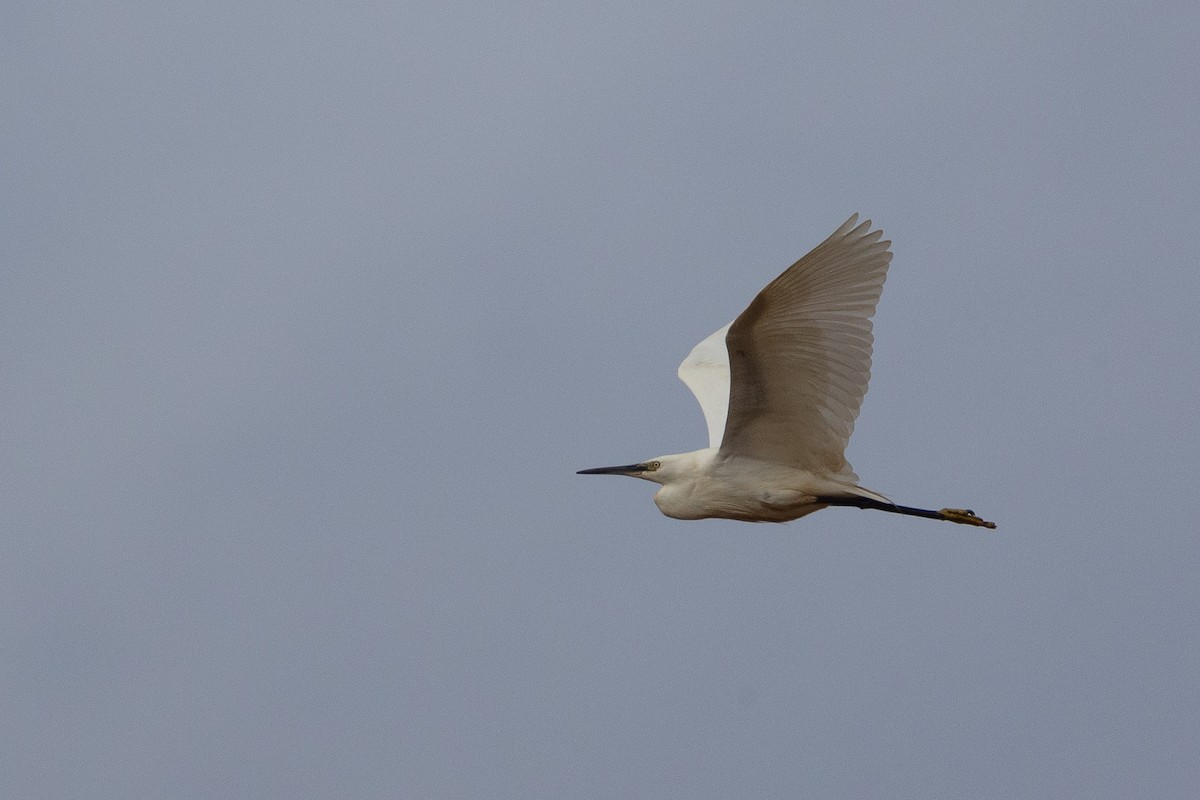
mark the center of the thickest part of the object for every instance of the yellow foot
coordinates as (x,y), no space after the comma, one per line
(964,516)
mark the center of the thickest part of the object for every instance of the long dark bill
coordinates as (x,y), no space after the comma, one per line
(628,469)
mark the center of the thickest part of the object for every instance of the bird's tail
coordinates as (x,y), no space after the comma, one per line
(853,490)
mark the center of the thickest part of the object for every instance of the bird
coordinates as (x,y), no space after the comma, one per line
(780,388)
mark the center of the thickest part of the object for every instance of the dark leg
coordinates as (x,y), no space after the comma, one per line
(960,515)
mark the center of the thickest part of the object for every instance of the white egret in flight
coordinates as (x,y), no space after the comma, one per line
(780,388)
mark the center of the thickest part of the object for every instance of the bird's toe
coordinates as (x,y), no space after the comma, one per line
(964,516)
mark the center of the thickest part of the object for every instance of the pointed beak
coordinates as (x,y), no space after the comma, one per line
(629,469)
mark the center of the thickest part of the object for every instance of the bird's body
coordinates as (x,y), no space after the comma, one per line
(781,387)
(704,484)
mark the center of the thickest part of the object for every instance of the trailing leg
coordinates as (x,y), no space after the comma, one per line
(962,516)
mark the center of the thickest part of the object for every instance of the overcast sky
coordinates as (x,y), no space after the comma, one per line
(308,314)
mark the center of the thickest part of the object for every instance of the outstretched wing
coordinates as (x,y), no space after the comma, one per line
(800,355)
(706,373)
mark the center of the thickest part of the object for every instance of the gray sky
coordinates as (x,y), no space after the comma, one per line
(309,315)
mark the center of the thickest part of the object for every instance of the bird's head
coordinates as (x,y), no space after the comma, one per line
(646,470)
(659,470)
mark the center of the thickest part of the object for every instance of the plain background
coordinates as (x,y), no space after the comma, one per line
(309,312)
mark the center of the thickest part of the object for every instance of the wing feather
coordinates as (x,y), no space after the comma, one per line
(799,356)
(706,372)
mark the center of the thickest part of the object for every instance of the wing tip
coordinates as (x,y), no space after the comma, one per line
(852,228)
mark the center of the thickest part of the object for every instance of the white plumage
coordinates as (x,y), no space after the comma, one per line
(780,388)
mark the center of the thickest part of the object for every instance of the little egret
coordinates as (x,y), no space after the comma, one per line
(780,388)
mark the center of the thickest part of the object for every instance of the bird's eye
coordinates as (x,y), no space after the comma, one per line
(653,465)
